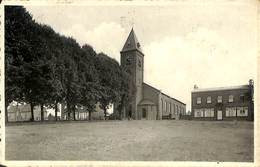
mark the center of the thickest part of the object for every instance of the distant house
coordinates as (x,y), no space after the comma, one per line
(82,113)
(22,112)
(51,117)
(224,103)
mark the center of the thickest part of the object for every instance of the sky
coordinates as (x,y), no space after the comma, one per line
(210,44)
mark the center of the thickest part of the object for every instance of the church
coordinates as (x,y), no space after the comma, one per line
(148,102)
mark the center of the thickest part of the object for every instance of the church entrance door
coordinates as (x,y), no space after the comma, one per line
(144,113)
(130,114)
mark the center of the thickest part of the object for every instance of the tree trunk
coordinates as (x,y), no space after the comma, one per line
(74,112)
(68,118)
(120,113)
(105,112)
(89,115)
(32,114)
(42,113)
(56,110)
(68,110)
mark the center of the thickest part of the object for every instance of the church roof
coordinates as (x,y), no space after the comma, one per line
(132,43)
(220,88)
(163,93)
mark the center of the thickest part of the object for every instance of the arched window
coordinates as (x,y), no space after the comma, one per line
(162,103)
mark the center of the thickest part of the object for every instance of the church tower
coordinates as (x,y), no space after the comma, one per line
(132,59)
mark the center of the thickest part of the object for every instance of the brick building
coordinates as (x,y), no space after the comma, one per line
(148,102)
(224,103)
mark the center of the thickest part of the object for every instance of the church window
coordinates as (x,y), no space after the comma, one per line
(128,44)
(162,104)
(139,63)
(165,106)
(128,71)
(128,61)
(138,45)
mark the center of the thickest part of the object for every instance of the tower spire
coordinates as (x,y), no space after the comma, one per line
(132,42)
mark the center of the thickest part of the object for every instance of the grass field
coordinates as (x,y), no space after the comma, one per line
(167,140)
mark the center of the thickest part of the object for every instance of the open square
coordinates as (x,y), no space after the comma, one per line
(130,81)
(143,140)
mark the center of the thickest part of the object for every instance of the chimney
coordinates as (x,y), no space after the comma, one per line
(251,82)
(251,87)
(195,86)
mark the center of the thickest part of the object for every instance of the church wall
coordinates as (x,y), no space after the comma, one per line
(160,107)
(154,112)
(164,105)
(151,112)
(170,108)
(138,79)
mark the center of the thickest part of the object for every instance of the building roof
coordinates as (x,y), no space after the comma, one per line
(152,87)
(173,98)
(132,43)
(164,93)
(146,102)
(221,88)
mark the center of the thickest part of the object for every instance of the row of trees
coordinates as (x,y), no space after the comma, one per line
(45,68)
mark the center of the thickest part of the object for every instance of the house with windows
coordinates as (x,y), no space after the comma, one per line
(22,112)
(81,113)
(223,103)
